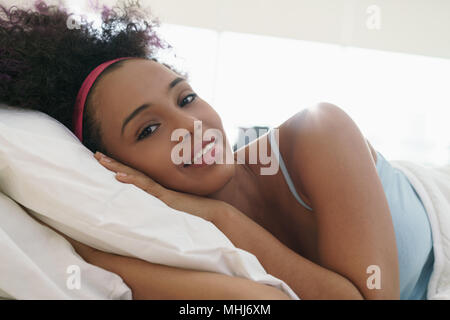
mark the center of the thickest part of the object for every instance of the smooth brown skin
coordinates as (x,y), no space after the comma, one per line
(330,162)
(142,81)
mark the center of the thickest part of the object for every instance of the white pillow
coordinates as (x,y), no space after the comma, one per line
(38,263)
(44,167)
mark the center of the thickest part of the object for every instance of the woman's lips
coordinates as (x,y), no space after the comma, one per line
(200,149)
(206,159)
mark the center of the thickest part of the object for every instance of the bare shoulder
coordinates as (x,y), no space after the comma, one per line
(293,138)
(323,116)
(297,140)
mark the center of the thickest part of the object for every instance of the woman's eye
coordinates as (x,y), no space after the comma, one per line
(147,131)
(188,99)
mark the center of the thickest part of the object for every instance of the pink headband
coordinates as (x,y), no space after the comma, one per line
(83,93)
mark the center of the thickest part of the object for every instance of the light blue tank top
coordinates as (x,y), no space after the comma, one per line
(411,225)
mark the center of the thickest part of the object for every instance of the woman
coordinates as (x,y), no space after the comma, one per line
(336,222)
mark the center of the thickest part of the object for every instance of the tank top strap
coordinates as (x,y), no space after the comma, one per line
(275,150)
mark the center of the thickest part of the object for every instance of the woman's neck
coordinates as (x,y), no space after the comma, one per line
(243,191)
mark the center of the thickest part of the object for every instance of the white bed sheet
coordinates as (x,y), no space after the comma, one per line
(38,263)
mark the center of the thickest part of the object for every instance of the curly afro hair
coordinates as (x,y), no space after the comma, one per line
(44,61)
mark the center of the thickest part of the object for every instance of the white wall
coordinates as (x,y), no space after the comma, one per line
(412,26)
(401,102)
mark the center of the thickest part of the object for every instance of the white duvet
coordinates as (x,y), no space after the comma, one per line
(432,184)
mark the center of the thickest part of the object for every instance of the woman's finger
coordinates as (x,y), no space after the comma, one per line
(143,182)
(113,165)
(129,175)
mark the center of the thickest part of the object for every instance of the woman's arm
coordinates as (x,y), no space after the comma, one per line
(355,229)
(154,281)
(308,280)
(151,281)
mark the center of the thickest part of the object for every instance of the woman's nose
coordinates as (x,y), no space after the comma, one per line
(189,122)
(184,126)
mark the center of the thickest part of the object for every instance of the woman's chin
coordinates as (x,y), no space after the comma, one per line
(217,177)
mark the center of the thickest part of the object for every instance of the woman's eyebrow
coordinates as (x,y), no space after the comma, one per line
(143,107)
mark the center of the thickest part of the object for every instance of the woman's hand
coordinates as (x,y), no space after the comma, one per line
(202,207)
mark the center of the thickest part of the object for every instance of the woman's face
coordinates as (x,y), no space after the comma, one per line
(142,140)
